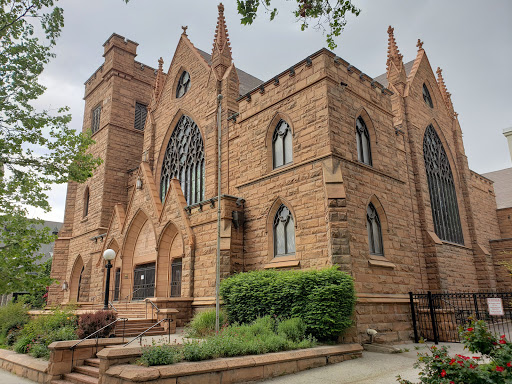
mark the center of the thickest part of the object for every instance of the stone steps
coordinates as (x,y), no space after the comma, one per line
(79,378)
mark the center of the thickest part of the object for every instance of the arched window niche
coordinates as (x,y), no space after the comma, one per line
(364,153)
(282,144)
(441,186)
(284,232)
(86,202)
(184,160)
(183,84)
(374,228)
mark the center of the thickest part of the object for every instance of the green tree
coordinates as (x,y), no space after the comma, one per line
(329,15)
(37,148)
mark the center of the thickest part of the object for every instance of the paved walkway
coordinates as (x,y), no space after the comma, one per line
(10,378)
(372,368)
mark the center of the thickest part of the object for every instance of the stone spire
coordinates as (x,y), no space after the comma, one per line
(394,55)
(221,54)
(444,92)
(159,78)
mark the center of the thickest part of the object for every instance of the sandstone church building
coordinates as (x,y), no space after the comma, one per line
(321,165)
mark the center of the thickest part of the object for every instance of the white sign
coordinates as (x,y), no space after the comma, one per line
(142,277)
(495,306)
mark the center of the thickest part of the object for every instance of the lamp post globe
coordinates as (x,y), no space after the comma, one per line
(108,255)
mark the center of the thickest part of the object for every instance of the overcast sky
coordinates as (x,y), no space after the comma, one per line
(470,40)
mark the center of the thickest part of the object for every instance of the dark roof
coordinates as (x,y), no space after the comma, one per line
(502,186)
(383,78)
(47,249)
(247,82)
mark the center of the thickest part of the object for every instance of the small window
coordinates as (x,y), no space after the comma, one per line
(374,231)
(282,144)
(364,153)
(141,112)
(96,115)
(176,272)
(284,233)
(426,96)
(183,84)
(86,202)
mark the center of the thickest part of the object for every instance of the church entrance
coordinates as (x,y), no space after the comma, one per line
(144,281)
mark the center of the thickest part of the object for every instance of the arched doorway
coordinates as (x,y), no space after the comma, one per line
(76,279)
(170,253)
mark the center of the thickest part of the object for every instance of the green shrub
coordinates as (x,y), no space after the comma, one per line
(13,317)
(293,329)
(203,323)
(323,299)
(90,322)
(247,339)
(160,355)
(40,332)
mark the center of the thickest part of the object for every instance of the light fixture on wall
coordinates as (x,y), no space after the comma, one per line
(65,286)
(139,183)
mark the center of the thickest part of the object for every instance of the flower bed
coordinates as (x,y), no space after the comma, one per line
(493,367)
(262,336)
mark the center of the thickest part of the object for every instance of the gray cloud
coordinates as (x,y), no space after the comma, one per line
(470,41)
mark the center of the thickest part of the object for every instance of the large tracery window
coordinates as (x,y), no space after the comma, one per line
(184,160)
(282,144)
(374,230)
(443,199)
(364,153)
(284,232)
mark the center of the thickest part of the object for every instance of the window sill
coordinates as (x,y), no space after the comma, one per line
(282,262)
(380,261)
(84,219)
(455,244)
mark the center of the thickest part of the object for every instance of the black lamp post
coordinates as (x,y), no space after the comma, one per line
(108,255)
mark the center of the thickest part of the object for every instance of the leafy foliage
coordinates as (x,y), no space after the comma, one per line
(236,340)
(39,333)
(203,324)
(37,148)
(13,317)
(329,15)
(323,299)
(493,367)
(88,323)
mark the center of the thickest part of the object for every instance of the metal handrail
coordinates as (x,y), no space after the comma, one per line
(154,306)
(153,326)
(112,305)
(96,333)
(131,294)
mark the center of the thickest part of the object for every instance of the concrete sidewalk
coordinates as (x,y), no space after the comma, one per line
(372,368)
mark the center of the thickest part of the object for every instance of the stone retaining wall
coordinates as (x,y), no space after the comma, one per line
(26,366)
(227,370)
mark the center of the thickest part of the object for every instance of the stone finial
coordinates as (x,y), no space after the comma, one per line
(159,78)
(393,52)
(419,44)
(221,54)
(444,91)
(184,30)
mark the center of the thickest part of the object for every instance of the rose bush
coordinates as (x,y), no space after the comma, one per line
(493,367)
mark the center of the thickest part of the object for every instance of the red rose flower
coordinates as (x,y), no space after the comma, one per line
(498,369)
(470,329)
(502,341)
(509,364)
(443,372)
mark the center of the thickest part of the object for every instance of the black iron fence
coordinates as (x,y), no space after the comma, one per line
(438,316)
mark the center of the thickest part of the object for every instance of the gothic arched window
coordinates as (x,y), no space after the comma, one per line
(374,230)
(282,144)
(79,285)
(184,160)
(443,199)
(284,232)
(364,153)
(183,84)
(426,96)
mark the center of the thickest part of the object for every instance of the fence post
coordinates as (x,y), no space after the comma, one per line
(477,313)
(432,317)
(413,312)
